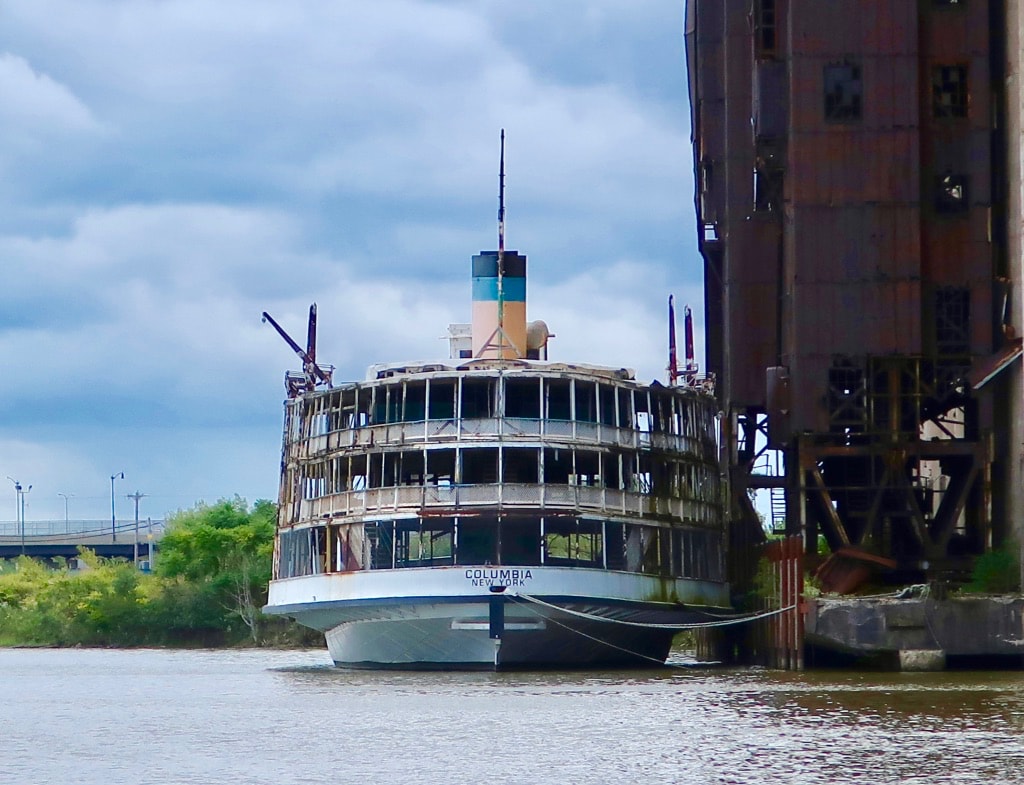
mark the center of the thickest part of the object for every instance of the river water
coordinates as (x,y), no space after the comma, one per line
(155,716)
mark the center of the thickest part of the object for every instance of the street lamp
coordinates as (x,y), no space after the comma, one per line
(113,518)
(67,527)
(19,508)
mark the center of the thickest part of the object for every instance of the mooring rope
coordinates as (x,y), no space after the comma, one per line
(651,625)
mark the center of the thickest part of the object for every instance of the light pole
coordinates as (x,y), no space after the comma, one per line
(67,526)
(136,496)
(19,509)
(113,517)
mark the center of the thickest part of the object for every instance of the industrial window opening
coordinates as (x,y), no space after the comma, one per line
(951,194)
(843,91)
(765,34)
(767,189)
(949,91)
(952,320)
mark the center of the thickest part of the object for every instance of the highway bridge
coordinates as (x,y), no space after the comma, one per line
(51,539)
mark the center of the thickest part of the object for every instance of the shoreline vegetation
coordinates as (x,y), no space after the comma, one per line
(209,583)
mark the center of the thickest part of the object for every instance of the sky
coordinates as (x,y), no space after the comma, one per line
(169,169)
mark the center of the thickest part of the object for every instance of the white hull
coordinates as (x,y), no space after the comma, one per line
(443,617)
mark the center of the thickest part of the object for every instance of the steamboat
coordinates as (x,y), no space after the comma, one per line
(497,510)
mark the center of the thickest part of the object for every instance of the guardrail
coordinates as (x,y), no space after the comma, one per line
(82,527)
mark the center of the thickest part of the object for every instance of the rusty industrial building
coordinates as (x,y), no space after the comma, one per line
(858,196)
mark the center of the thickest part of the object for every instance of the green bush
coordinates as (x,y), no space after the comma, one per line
(996,572)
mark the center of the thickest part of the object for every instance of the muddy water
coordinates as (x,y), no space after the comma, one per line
(91,717)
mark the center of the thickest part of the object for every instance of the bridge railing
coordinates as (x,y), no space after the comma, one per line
(86,527)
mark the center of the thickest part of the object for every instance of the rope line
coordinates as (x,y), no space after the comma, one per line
(650,625)
(630,652)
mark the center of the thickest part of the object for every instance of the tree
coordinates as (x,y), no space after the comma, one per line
(225,550)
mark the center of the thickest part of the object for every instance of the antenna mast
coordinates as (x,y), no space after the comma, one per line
(501,247)
(673,365)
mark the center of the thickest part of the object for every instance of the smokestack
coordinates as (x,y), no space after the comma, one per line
(499,327)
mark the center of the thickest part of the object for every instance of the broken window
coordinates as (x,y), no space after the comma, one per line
(558,394)
(765,35)
(477,398)
(440,467)
(606,395)
(520,541)
(768,183)
(843,91)
(588,469)
(379,545)
(424,542)
(847,396)
(442,401)
(586,401)
(522,398)
(573,542)
(479,465)
(557,466)
(415,402)
(951,193)
(478,540)
(949,91)
(521,465)
(952,320)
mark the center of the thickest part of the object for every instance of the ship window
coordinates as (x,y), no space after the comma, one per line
(586,402)
(358,478)
(415,402)
(520,465)
(522,398)
(479,465)
(441,467)
(424,543)
(557,392)
(478,540)
(379,545)
(477,398)
(557,466)
(949,91)
(615,545)
(412,469)
(843,90)
(442,401)
(588,469)
(610,471)
(572,542)
(625,408)
(606,394)
(520,541)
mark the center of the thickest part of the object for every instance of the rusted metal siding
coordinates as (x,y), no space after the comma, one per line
(871,284)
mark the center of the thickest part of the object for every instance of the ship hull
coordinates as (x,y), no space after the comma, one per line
(490,627)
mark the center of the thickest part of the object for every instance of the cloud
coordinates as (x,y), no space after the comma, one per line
(173,169)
